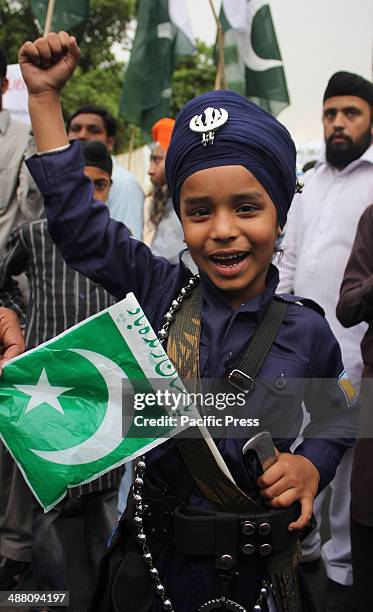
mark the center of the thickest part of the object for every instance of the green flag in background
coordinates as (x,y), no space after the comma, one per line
(67,15)
(252,57)
(163,35)
(61,404)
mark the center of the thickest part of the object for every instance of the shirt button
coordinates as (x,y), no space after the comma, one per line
(280,383)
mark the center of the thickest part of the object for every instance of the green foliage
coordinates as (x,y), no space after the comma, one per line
(96,86)
(194,75)
(16,26)
(107,24)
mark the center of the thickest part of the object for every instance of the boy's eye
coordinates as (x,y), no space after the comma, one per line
(199,212)
(246,208)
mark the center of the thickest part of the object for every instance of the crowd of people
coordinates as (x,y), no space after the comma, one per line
(219,211)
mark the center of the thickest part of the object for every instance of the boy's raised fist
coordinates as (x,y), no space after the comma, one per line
(47,63)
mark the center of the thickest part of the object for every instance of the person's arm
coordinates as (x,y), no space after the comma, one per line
(332,403)
(11,337)
(14,262)
(287,265)
(28,195)
(46,66)
(356,298)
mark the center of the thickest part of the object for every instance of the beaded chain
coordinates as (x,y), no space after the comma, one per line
(141,508)
(176,305)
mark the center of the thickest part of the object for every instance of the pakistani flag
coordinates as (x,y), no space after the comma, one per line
(252,57)
(62,405)
(67,14)
(163,36)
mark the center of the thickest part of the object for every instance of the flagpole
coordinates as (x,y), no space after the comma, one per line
(49,17)
(220,80)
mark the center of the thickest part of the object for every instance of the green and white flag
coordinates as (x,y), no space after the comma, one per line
(62,404)
(67,14)
(163,36)
(253,65)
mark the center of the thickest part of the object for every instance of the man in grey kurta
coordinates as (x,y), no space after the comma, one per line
(20,199)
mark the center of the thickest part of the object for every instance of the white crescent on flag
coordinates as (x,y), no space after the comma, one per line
(241,16)
(109,435)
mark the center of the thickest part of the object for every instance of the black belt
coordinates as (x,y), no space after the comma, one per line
(193,531)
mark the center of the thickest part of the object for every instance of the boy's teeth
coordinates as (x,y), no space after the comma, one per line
(229,259)
(228,256)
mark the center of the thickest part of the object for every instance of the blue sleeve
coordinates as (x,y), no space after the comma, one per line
(93,243)
(332,404)
(126,201)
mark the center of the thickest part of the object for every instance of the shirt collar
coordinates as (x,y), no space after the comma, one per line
(216,298)
(366,157)
(4,121)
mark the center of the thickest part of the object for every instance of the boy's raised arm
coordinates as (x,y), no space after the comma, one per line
(90,241)
(47,64)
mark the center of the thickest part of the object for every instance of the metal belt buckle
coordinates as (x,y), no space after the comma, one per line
(223,604)
(241,381)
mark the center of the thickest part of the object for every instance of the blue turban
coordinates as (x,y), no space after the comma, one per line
(251,137)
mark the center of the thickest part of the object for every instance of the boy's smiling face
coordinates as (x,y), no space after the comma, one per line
(230,227)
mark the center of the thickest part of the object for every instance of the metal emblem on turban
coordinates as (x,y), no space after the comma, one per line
(207,123)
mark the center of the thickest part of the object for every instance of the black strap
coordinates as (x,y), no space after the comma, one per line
(183,350)
(243,376)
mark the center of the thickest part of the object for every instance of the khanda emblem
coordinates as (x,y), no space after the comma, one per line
(208,122)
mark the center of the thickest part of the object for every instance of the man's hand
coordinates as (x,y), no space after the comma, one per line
(291,478)
(11,336)
(48,63)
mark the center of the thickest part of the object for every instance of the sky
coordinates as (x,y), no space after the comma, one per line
(316,39)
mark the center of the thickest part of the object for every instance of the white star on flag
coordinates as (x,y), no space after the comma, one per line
(43,393)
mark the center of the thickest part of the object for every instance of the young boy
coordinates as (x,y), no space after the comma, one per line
(231,172)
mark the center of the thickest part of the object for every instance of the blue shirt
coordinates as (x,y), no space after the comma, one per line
(304,349)
(126,199)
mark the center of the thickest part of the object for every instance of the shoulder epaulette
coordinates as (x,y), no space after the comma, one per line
(302,302)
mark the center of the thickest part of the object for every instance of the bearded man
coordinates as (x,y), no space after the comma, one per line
(318,240)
